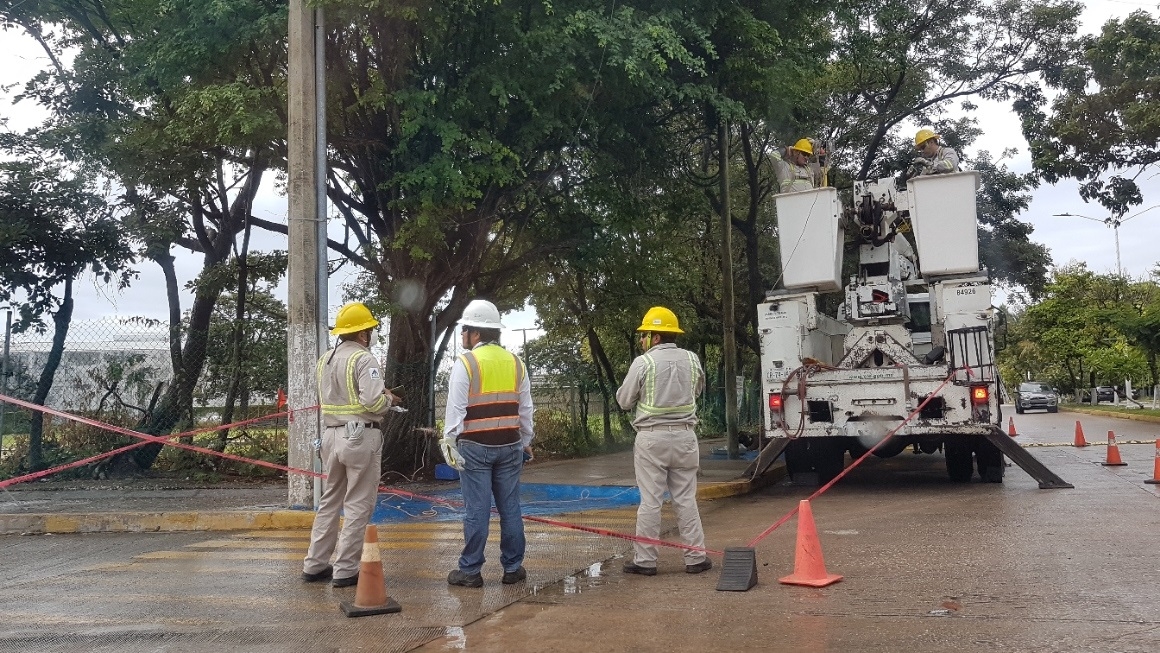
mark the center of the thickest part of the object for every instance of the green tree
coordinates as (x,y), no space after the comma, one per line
(1103,126)
(181,105)
(53,229)
(246,352)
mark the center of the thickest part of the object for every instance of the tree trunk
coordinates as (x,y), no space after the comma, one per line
(408,364)
(178,399)
(239,338)
(61,322)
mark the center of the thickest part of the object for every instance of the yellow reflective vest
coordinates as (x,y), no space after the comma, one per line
(493,396)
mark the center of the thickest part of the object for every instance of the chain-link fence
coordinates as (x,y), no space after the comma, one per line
(120,371)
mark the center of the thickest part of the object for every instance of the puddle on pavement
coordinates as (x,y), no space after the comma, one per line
(590,577)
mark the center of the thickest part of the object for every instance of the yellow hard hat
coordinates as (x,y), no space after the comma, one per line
(659,319)
(352,318)
(923,136)
(804,145)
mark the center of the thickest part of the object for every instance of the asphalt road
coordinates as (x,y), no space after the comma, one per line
(927,565)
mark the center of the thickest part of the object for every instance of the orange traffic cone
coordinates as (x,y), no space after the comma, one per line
(1011,427)
(370,595)
(808,566)
(1156,469)
(1113,453)
(1079,441)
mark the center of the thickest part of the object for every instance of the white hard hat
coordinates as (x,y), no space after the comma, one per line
(481,314)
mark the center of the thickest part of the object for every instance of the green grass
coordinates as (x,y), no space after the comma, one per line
(1119,410)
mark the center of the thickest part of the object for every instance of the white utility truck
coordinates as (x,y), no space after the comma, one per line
(913,334)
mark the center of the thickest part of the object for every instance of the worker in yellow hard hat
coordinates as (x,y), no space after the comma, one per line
(662,386)
(797,168)
(934,158)
(353,399)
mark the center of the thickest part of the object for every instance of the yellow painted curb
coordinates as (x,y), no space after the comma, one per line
(710,491)
(155,522)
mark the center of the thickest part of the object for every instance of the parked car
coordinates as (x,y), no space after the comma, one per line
(1105,393)
(1034,395)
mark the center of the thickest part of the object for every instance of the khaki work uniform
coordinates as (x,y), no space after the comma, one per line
(353,400)
(663,384)
(944,161)
(792,177)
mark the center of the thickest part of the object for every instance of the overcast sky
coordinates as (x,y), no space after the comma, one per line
(1069,239)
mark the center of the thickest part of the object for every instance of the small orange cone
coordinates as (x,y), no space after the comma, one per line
(1079,441)
(1155,480)
(370,594)
(1011,427)
(1113,453)
(808,566)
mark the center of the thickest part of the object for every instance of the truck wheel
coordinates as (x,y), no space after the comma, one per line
(797,458)
(829,459)
(1018,408)
(959,466)
(1053,409)
(990,462)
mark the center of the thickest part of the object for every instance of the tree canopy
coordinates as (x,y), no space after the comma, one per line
(1102,127)
(560,153)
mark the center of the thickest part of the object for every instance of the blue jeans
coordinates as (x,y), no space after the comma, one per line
(491,472)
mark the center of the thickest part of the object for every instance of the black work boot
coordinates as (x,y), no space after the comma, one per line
(461,579)
(631,567)
(704,565)
(317,576)
(510,577)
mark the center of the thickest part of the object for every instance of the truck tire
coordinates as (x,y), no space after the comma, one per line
(959,462)
(1018,409)
(1053,409)
(990,462)
(829,459)
(797,459)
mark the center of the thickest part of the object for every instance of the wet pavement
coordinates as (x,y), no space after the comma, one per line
(928,566)
(146,505)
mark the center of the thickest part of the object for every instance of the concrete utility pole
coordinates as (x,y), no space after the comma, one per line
(306,274)
(729,349)
(4,371)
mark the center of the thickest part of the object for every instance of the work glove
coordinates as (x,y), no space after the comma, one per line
(921,161)
(451,453)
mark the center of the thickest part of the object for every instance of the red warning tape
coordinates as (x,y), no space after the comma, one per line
(146,439)
(789,515)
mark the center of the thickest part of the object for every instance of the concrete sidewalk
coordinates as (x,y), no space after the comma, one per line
(117,506)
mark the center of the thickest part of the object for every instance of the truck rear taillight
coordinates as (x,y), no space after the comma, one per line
(774,401)
(979,394)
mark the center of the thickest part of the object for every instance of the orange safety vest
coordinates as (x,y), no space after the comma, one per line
(493,396)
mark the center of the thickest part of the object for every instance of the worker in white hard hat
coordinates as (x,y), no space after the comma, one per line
(794,169)
(934,158)
(353,399)
(487,436)
(662,386)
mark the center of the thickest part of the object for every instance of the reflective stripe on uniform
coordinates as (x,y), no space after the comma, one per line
(647,404)
(352,407)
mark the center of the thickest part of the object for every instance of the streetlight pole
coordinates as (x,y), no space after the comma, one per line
(1114,222)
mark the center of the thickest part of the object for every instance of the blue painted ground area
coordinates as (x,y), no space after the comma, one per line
(536,498)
